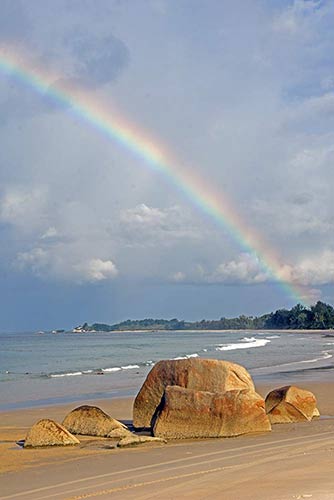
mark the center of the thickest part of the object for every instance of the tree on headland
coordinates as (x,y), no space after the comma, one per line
(322,316)
(317,317)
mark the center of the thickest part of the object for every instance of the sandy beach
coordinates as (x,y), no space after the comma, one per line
(293,461)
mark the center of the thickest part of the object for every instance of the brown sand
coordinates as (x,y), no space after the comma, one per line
(293,461)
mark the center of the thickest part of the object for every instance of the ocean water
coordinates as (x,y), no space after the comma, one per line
(43,369)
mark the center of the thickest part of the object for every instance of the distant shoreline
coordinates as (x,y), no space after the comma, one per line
(317,317)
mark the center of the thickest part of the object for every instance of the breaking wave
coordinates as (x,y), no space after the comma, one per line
(102,371)
(187,356)
(71,374)
(246,343)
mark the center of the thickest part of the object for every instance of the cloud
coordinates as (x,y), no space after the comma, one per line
(314,270)
(144,215)
(179,276)
(95,60)
(53,263)
(152,226)
(68,54)
(297,18)
(37,260)
(295,216)
(51,232)
(247,269)
(74,203)
(96,270)
(23,207)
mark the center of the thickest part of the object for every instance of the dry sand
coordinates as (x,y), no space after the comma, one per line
(293,461)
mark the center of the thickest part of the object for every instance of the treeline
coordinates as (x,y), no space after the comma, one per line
(317,317)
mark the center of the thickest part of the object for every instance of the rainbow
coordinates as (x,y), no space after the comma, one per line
(109,123)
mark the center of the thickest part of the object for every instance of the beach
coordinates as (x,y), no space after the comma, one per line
(64,371)
(292,461)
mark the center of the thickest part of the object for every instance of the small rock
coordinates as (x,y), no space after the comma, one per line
(137,440)
(316,413)
(291,404)
(47,432)
(91,421)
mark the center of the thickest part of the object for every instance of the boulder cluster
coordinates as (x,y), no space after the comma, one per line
(84,420)
(198,398)
(188,398)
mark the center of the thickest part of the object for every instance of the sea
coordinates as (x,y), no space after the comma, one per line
(38,369)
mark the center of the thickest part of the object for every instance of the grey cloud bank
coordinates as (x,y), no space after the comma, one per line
(241,92)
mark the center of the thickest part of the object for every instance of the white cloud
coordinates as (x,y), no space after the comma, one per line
(53,263)
(314,270)
(142,214)
(23,207)
(96,270)
(296,18)
(51,232)
(313,112)
(37,260)
(242,271)
(292,217)
(247,269)
(179,276)
(151,226)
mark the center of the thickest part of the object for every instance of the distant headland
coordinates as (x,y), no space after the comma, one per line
(317,317)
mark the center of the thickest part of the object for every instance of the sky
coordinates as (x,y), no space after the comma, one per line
(241,92)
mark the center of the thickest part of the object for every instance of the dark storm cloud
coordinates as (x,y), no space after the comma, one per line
(96,60)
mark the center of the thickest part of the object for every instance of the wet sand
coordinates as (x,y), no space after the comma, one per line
(293,461)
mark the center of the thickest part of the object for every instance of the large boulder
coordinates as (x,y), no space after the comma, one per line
(197,374)
(92,421)
(291,404)
(47,432)
(186,413)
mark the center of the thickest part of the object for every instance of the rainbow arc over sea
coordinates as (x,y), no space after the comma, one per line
(115,127)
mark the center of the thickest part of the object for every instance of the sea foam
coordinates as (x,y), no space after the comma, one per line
(70,374)
(246,343)
(187,356)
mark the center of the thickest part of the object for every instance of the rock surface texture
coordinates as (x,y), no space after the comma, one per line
(47,432)
(186,413)
(197,374)
(291,404)
(92,421)
(120,433)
